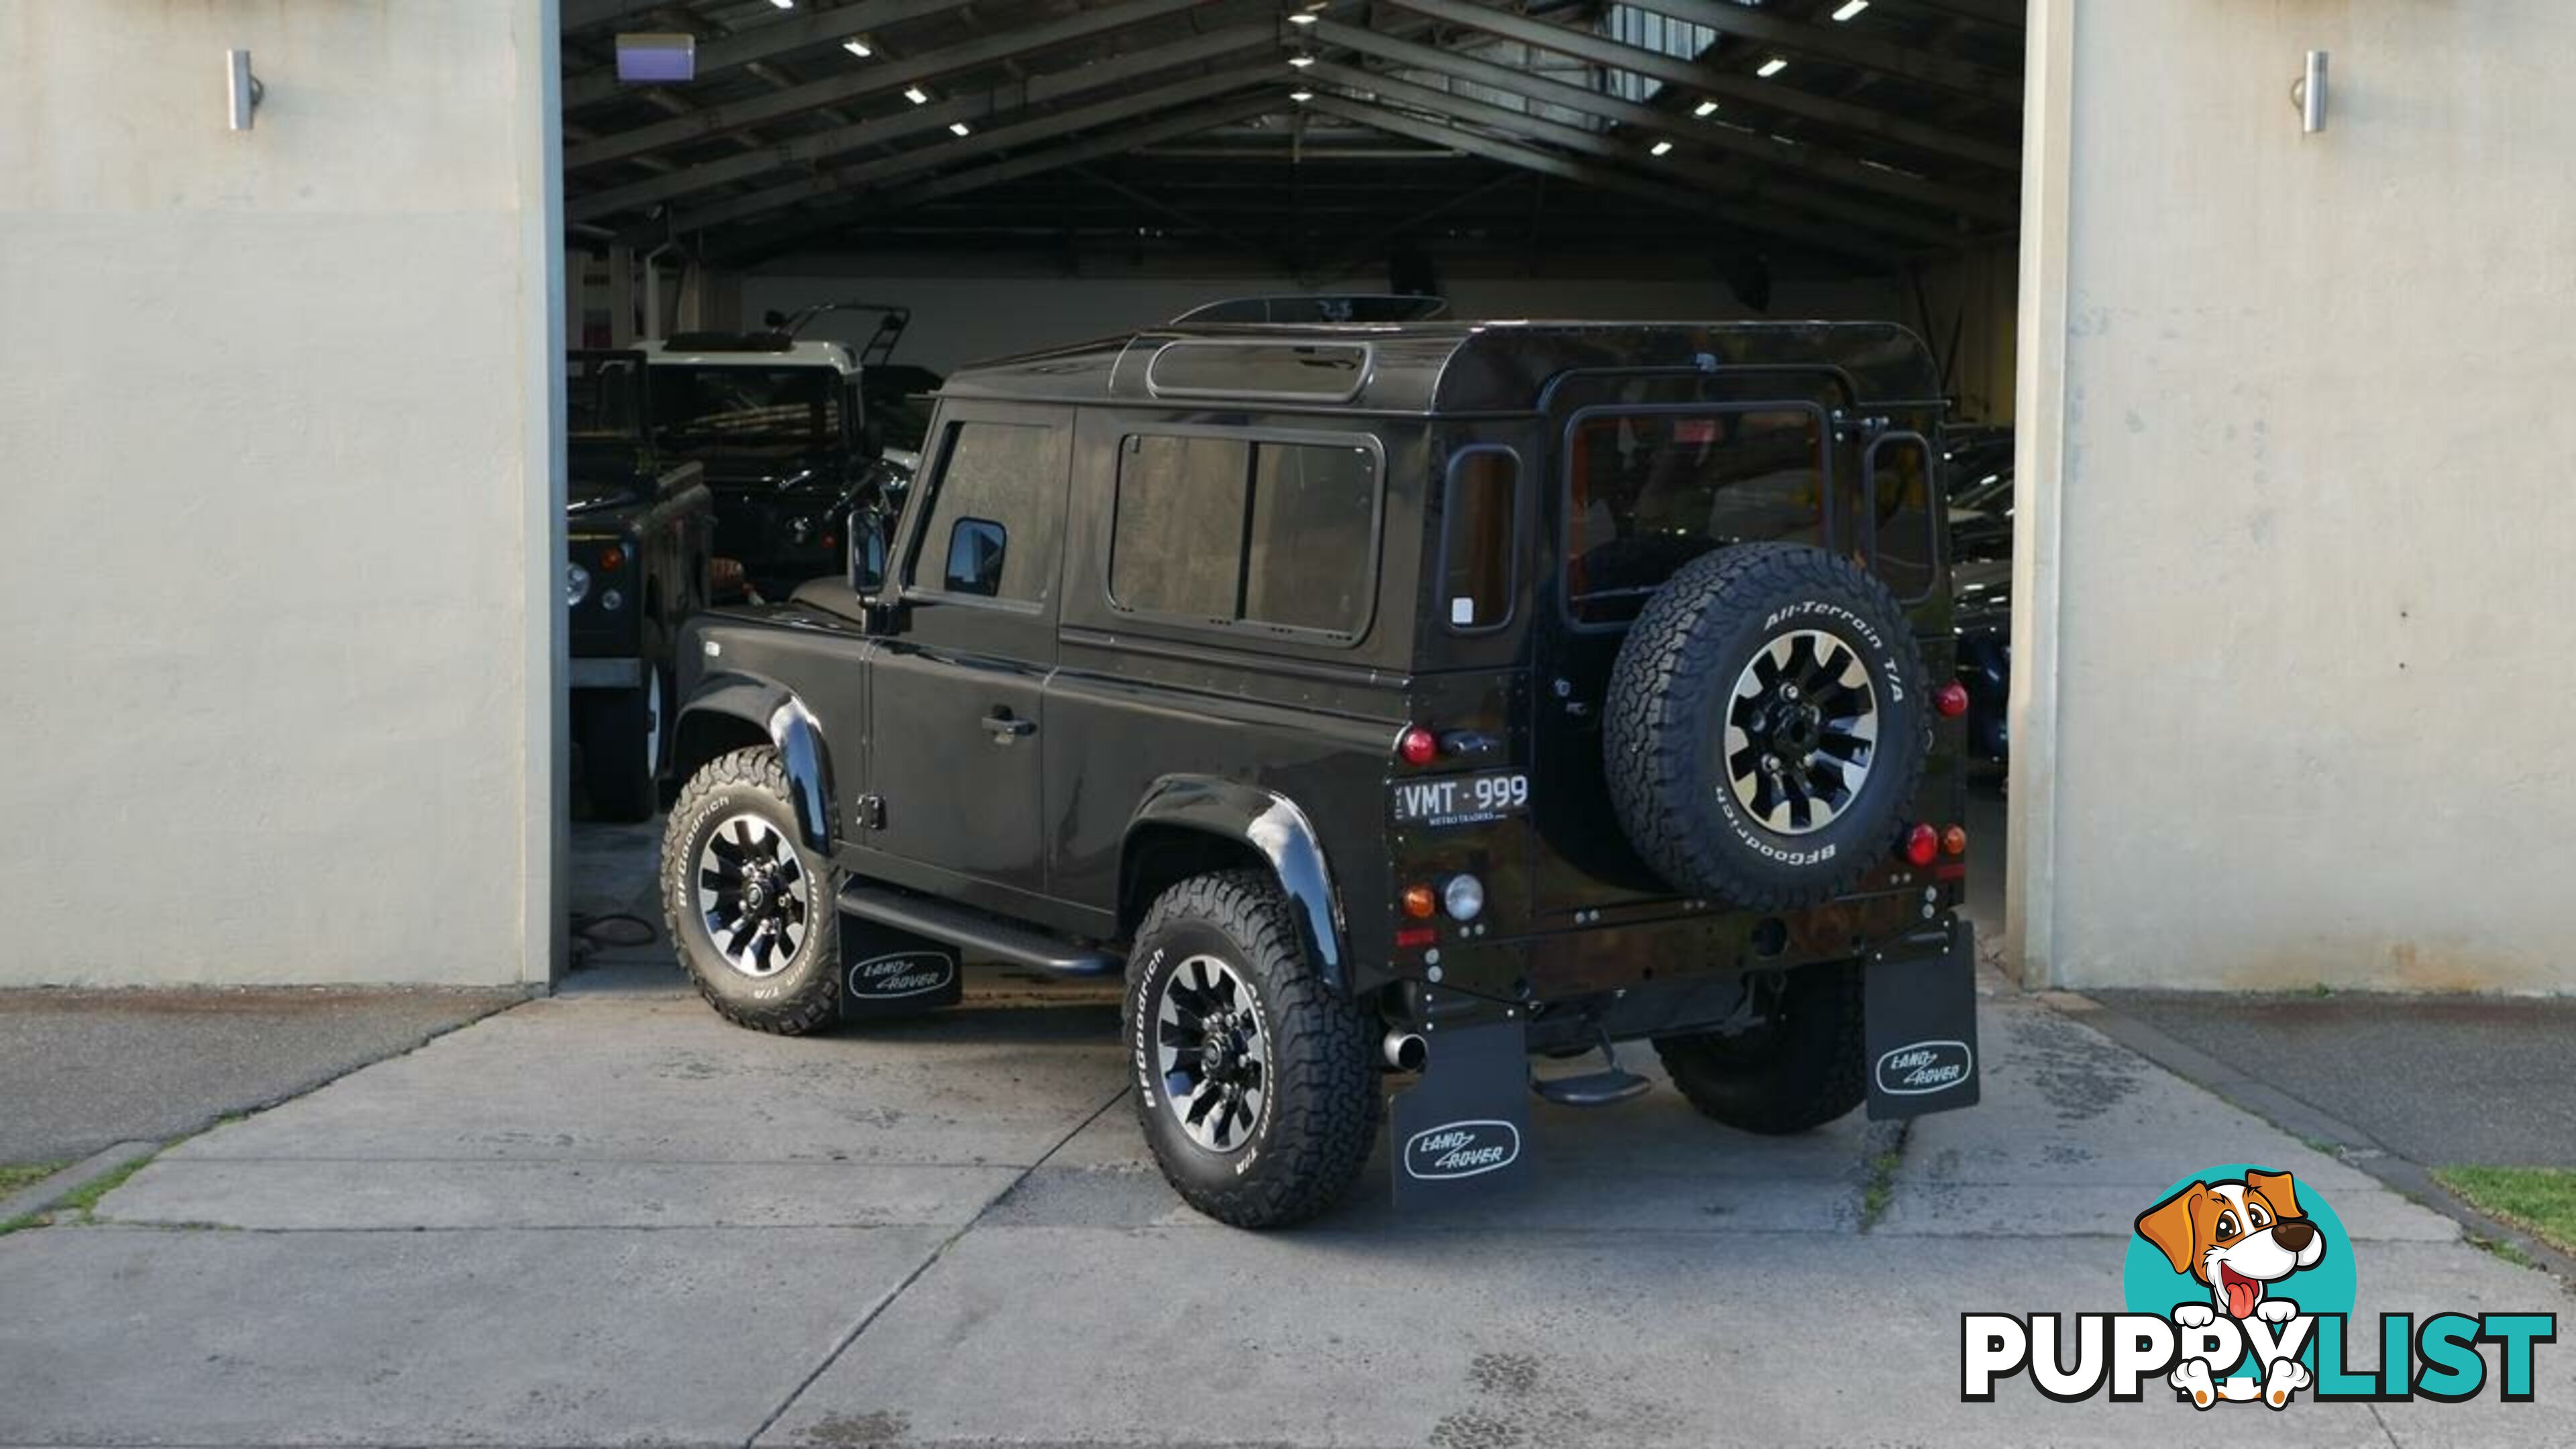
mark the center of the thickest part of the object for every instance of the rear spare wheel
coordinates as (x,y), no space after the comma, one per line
(1765,726)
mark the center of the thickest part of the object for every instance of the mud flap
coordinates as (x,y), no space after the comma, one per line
(1462,1129)
(891,972)
(1921,1030)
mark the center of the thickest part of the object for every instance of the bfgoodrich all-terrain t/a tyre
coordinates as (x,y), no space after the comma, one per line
(1800,1066)
(753,911)
(1255,1084)
(1765,726)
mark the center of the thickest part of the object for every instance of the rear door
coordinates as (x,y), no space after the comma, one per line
(1651,470)
(957,696)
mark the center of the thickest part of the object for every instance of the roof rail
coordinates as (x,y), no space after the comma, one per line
(1320,307)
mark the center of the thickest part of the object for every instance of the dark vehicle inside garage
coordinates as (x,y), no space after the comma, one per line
(639,530)
(791,443)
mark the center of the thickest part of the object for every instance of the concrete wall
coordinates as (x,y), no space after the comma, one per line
(959,319)
(2295,611)
(276,614)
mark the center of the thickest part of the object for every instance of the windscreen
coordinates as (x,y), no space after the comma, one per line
(747,405)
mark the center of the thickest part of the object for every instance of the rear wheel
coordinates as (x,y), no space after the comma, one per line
(753,911)
(1255,1086)
(1799,1064)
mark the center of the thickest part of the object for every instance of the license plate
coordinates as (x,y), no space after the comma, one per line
(1461,799)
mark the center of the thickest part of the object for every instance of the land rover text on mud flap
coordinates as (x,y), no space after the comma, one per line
(1392,705)
(639,530)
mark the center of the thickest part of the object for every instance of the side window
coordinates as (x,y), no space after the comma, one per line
(1175,547)
(1234,531)
(1308,562)
(999,486)
(1476,553)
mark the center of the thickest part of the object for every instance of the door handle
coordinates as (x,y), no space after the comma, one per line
(1004,729)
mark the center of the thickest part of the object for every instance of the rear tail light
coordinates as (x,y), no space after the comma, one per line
(1922,844)
(1951,699)
(611,558)
(1412,938)
(1417,746)
(1954,841)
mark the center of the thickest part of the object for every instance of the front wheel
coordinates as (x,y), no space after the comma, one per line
(1255,1086)
(1800,1064)
(754,913)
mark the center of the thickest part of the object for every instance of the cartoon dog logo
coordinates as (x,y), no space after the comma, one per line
(2239,1238)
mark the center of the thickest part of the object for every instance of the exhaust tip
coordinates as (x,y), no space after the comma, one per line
(1406,1052)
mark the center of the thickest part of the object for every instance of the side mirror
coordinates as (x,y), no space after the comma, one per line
(868,551)
(871,545)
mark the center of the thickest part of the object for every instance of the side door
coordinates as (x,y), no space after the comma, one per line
(956,694)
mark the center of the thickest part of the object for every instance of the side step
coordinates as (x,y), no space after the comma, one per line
(975,933)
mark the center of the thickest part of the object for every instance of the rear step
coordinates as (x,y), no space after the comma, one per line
(1593,1089)
(974,933)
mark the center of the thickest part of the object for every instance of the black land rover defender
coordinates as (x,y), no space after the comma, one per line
(1393,705)
(639,530)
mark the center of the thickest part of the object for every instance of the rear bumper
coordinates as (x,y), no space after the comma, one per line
(1668,977)
(1462,1125)
(1651,946)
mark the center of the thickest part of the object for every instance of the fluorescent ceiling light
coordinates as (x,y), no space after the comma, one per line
(916,95)
(1301,18)
(858,45)
(1772,67)
(1301,61)
(1704,109)
(784,4)
(1301,95)
(1851,8)
(957,127)
(1660,148)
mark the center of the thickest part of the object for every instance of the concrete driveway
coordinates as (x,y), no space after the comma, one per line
(609,1218)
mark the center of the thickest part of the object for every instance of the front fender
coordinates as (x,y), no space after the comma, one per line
(775,710)
(1273,826)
